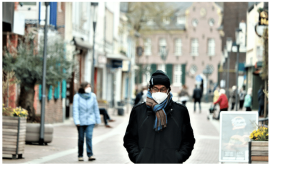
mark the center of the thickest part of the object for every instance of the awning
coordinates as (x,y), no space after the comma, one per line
(79,42)
(117,57)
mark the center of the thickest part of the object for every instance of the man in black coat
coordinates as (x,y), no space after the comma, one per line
(197,95)
(261,100)
(159,130)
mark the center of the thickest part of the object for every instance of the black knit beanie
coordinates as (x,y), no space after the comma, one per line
(159,78)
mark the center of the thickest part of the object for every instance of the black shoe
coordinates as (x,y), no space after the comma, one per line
(91,158)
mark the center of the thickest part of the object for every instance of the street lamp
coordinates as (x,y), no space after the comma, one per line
(238,42)
(228,47)
(42,128)
(95,5)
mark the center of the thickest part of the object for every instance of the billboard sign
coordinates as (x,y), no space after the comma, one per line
(235,129)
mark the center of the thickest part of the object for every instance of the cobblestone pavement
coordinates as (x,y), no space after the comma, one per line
(108,142)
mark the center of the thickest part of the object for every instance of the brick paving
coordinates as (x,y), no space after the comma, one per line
(108,143)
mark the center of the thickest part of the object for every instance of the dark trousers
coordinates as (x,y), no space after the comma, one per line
(241,104)
(183,102)
(232,105)
(86,130)
(199,101)
(105,115)
(260,110)
(248,108)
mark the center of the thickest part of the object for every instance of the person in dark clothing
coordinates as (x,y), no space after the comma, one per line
(197,96)
(261,101)
(159,130)
(105,117)
(139,96)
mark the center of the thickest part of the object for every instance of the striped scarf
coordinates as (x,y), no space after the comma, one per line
(159,109)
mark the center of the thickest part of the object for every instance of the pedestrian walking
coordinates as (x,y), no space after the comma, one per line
(106,117)
(242,95)
(232,97)
(248,100)
(85,115)
(222,101)
(261,101)
(197,96)
(159,130)
(183,95)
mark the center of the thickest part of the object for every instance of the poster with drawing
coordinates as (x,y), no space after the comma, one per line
(235,129)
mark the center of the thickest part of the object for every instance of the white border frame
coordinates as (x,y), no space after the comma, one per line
(220,139)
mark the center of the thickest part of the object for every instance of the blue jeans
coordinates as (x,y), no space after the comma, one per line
(88,131)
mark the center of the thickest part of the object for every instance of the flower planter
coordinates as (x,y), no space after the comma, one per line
(13,136)
(258,152)
(33,133)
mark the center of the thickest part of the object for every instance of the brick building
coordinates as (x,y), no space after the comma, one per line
(233,14)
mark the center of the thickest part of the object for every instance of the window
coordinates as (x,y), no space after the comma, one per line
(195,22)
(162,43)
(195,46)
(177,73)
(193,69)
(29,3)
(147,45)
(211,22)
(211,47)
(162,67)
(178,46)
(181,20)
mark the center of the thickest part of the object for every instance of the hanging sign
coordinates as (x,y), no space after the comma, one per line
(263,18)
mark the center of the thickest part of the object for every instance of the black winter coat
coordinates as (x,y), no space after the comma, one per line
(174,144)
(197,94)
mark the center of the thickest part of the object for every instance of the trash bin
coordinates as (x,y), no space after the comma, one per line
(120,108)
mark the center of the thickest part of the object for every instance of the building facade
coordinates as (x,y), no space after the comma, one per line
(192,41)
(234,16)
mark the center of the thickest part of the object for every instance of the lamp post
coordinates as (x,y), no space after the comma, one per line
(42,127)
(94,4)
(238,42)
(228,47)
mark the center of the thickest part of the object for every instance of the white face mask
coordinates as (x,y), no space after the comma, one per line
(159,97)
(88,90)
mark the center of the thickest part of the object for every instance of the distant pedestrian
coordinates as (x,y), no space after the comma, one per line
(197,96)
(216,94)
(232,97)
(183,95)
(261,101)
(139,96)
(106,117)
(85,115)
(159,131)
(242,95)
(248,100)
(222,101)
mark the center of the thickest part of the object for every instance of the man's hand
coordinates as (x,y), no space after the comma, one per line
(78,125)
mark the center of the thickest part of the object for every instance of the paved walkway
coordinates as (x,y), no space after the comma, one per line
(108,143)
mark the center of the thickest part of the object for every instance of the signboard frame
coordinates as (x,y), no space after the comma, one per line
(254,116)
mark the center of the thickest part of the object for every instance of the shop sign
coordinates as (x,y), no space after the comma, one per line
(263,18)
